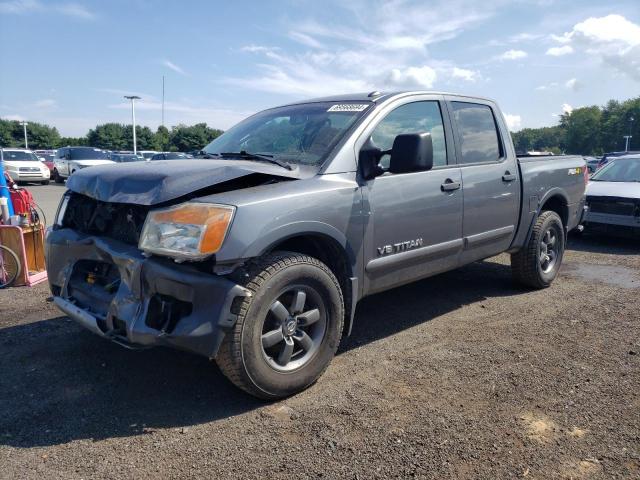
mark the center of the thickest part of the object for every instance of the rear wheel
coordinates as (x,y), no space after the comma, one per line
(537,263)
(288,330)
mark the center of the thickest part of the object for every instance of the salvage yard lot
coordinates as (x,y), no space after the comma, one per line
(463,375)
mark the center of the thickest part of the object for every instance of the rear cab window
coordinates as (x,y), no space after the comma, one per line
(478,134)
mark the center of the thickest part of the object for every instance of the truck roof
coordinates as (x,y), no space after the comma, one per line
(377,96)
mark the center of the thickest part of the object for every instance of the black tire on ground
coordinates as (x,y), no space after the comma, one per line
(44,182)
(537,263)
(243,357)
(56,177)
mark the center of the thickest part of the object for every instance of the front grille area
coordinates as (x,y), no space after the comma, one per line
(614,206)
(119,221)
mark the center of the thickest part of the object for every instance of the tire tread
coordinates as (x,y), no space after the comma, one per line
(253,276)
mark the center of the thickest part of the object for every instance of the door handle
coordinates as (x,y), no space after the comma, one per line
(449,185)
(509,177)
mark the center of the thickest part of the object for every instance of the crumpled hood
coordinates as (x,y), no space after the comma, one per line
(150,183)
(614,189)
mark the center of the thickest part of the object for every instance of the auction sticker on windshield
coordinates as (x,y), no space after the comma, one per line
(348,107)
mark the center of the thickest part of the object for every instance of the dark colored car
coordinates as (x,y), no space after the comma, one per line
(171,156)
(126,157)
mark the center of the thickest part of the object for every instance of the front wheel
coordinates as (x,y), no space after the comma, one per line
(44,182)
(57,178)
(287,330)
(537,263)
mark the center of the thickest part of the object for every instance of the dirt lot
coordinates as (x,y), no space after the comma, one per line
(459,376)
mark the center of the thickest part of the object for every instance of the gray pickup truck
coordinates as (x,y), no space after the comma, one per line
(256,254)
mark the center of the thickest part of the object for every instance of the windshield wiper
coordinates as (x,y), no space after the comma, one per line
(261,157)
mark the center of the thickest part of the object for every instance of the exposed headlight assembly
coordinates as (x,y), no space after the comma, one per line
(191,231)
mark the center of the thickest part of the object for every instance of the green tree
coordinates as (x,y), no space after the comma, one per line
(110,136)
(582,128)
(184,138)
(162,139)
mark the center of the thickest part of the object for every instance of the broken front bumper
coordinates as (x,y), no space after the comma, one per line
(114,291)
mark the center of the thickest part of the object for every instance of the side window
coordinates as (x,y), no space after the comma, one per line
(62,152)
(417,117)
(479,141)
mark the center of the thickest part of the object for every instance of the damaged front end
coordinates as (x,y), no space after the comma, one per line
(101,279)
(113,290)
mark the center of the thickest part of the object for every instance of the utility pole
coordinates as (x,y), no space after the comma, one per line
(24,126)
(133,99)
(163,100)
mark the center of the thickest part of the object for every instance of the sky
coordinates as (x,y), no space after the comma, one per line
(69,63)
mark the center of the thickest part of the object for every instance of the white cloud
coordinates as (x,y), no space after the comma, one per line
(20,7)
(465,74)
(613,39)
(513,55)
(23,7)
(573,84)
(75,10)
(559,51)
(348,55)
(45,103)
(567,109)
(172,66)
(421,77)
(305,40)
(514,122)
(17,118)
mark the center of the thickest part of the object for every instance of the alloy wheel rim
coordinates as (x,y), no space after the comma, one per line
(549,250)
(293,329)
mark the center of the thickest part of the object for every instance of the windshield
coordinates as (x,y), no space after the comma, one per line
(148,154)
(88,154)
(303,134)
(619,170)
(19,156)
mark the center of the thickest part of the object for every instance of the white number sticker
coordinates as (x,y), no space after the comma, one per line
(348,107)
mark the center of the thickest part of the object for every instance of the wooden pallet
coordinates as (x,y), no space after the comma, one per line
(28,243)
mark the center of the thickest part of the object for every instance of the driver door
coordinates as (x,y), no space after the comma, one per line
(415,222)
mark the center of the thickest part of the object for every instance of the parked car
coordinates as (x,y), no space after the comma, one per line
(47,157)
(147,154)
(171,156)
(25,166)
(71,159)
(611,155)
(297,213)
(613,197)
(125,158)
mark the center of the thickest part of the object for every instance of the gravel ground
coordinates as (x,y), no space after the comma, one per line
(459,376)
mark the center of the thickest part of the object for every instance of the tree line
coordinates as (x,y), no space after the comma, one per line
(592,130)
(589,130)
(110,136)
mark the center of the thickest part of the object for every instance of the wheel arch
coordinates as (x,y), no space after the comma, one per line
(328,245)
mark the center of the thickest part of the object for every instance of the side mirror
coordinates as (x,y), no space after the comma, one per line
(368,161)
(411,152)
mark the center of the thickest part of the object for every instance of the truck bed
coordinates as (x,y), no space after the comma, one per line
(544,177)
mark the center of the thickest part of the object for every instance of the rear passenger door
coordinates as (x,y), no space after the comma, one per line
(490,179)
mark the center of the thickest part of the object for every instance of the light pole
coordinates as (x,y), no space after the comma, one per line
(628,138)
(24,126)
(133,99)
